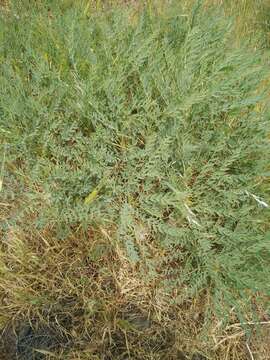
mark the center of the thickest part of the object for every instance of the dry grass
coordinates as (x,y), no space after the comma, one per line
(86,289)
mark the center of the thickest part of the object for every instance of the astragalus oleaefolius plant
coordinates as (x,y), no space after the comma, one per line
(135,173)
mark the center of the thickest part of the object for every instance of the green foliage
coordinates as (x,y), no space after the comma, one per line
(160,115)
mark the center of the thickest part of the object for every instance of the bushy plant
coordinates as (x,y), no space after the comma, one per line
(150,128)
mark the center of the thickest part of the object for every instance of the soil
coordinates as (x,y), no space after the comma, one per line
(21,341)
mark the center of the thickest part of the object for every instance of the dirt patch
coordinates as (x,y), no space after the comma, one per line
(30,340)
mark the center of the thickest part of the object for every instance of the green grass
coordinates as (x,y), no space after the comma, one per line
(135,181)
(251,20)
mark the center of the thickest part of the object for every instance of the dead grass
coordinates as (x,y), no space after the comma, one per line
(106,308)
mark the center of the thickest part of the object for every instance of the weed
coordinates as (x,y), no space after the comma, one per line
(135,193)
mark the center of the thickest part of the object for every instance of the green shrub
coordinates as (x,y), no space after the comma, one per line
(150,127)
